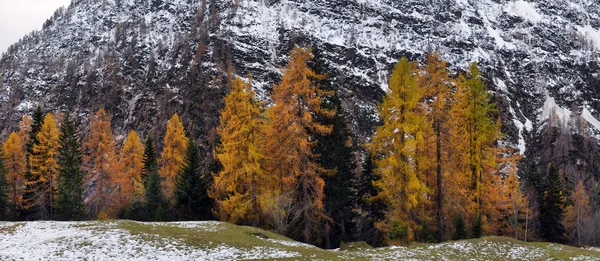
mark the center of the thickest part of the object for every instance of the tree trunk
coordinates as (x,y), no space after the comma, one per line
(439,199)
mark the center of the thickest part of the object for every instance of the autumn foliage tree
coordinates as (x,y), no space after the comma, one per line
(30,192)
(43,164)
(129,181)
(578,213)
(436,81)
(16,165)
(395,148)
(171,159)
(241,181)
(100,160)
(4,190)
(297,183)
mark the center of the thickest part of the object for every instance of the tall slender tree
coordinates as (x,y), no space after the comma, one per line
(171,159)
(435,79)
(551,208)
(4,190)
(155,202)
(336,154)
(191,186)
(240,184)
(44,167)
(31,185)
(69,199)
(101,163)
(292,162)
(395,146)
(16,165)
(131,163)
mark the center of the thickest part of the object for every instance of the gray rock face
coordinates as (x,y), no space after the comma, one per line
(144,60)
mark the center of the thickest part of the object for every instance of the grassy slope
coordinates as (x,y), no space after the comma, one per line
(212,235)
(487,248)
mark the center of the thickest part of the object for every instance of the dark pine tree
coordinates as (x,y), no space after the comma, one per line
(4,204)
(30,196)
(551,208)
(69,200)
(156,206)
(335,154)
(150,160)
(191,187)
(460,231)
(367,209)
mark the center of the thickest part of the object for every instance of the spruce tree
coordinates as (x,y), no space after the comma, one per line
(69,201)
(150,160)
(30,209)
(155,200)
(335,154)
(190,189)
(4,188)
(460,231)
(367,207)
(551,208)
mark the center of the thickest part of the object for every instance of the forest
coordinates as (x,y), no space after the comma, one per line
(437,167)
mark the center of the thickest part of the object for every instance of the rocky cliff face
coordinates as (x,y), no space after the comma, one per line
(145,59)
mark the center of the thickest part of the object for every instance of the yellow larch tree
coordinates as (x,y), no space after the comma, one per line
(43,164)
(434,77)
(578,213)
(473,133)
(129,180)
(101,164)
(296,177)
(241,182)
(394,147)
(16,165)
(171,159)
(25,129)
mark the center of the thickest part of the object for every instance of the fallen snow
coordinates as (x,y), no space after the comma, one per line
(106,241)
(525,10)
(550,107)
(591,35)
(585,114)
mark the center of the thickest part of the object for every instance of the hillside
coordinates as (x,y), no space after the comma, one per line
(128,240)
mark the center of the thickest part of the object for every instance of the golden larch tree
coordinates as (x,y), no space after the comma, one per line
(394,147)
(171,159)
(43,164)
(129,180)
(240,183)
(434,77)
(25,129)
(101,164)
(16,165)
(578,213)
(296,177)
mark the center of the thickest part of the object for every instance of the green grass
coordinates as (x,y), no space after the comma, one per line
(247,238)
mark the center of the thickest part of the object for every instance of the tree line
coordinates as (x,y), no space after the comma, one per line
(435,169)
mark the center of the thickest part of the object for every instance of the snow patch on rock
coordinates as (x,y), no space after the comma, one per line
(525,10)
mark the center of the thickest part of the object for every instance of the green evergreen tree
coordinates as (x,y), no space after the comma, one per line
(367,208)
(477,227)
(150,160)
(460,231)
(4,190)
(551,208)
(335,154)
(69,200)
(190,187)
(156,205)
(31,186)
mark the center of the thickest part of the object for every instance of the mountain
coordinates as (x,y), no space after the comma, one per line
(146,59)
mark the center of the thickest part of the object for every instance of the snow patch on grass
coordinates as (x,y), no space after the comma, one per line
(106,241)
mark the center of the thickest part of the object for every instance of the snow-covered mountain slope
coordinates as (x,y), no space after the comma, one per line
(147,59)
